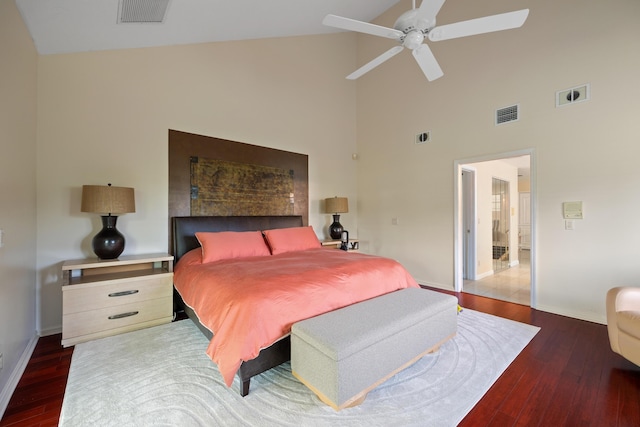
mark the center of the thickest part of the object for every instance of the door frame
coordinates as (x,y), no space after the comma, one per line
(469,221)
(458,243)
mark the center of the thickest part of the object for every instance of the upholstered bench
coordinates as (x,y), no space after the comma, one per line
(344,354)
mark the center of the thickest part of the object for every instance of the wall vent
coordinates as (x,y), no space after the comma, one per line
(423,137)
(573,95)
(508,114)
(142,11)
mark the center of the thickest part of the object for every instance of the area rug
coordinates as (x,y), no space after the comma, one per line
(161,376)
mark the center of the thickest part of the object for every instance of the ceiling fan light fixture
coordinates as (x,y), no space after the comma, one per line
(413,40)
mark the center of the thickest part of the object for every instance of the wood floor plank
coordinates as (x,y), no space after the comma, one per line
(499,420)
(629,411)
(497,397)
(566,376)
(530,398)
(593,350)
(609,398)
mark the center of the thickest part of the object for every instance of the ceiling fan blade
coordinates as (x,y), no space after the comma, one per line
(427,62)
(428,10)
(375,62)
(361,27)
(488,24)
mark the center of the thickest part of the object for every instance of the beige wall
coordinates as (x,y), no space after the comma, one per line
(17,193)
(104,117)
(583,152)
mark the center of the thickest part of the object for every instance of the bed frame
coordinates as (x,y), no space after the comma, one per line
(184,240)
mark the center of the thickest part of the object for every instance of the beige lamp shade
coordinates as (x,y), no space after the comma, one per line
(106,199)
(336,205)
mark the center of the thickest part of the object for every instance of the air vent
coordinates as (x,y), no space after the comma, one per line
(573,95)
(423,137)
(507,114)
(142,11)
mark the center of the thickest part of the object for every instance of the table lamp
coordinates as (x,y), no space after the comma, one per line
(107,201)
(336,205)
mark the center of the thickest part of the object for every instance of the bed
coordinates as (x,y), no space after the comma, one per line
(328,277)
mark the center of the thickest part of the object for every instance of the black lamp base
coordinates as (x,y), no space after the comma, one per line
(335,229)
(109,242)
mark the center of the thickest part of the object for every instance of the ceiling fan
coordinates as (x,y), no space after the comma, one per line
(414,26)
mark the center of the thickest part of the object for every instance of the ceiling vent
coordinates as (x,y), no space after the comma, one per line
(142,11)
(508,114)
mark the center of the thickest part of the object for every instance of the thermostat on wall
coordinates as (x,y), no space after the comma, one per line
(572,210)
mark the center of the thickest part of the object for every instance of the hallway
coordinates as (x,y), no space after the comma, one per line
(512,284)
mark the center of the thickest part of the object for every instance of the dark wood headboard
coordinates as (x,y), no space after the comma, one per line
(185,227)
(183,146)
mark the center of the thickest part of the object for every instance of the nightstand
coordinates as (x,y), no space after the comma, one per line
(101,298)
(353,244)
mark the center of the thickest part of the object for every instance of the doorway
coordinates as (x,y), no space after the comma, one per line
(498,256)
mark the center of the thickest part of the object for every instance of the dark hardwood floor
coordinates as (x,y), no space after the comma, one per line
(566,376)
(37,400)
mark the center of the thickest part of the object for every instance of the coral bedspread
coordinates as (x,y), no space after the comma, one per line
(250,303)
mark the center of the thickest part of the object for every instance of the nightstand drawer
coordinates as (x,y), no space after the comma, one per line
(116,317)
(93,296)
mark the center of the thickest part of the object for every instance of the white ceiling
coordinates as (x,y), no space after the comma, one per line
(65,26)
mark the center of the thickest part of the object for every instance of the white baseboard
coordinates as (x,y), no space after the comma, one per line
(16,374)
(581,315)
(587,316)
(50,331)
(483,275)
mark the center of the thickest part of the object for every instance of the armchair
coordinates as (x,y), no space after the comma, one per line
(623,322)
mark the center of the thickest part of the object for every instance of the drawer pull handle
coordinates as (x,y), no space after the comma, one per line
(124,293)
(121,315)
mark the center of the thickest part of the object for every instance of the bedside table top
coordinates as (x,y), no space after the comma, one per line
(123,260)
(330,242)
